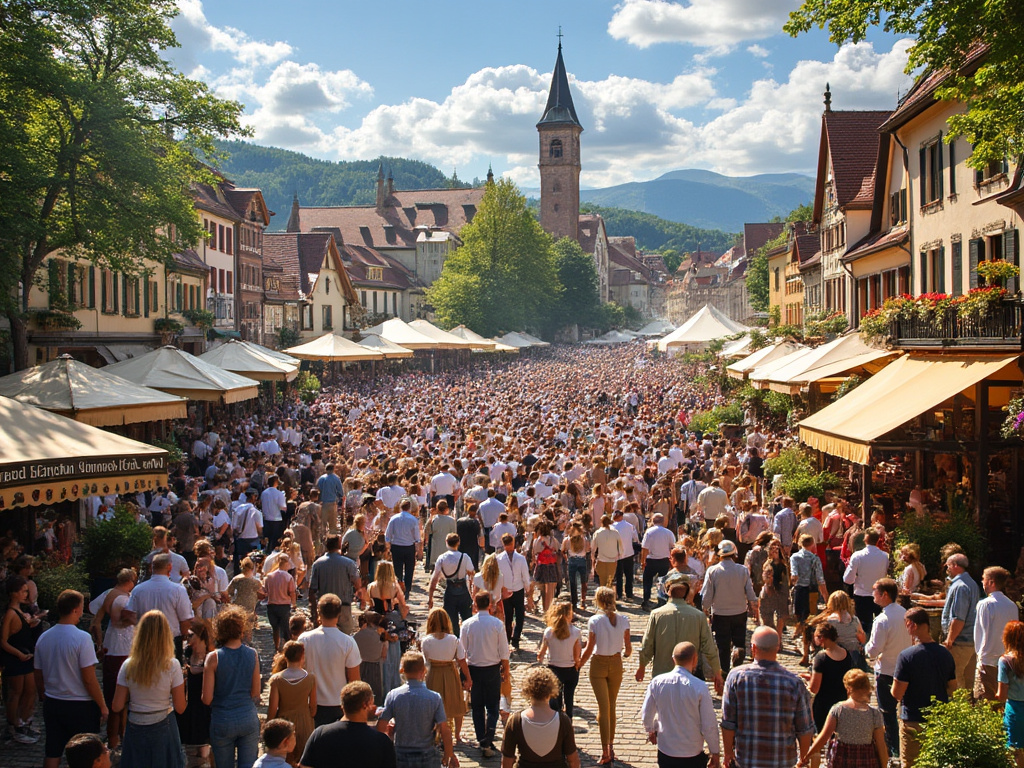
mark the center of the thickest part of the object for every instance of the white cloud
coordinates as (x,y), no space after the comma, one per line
(703,23)
(758,50)
(196,35)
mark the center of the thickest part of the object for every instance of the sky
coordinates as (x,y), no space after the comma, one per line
(658,85)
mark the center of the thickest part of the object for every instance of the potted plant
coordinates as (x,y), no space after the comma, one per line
(110,545)
(997,271)
(200,318)
(55,320)
(52,576)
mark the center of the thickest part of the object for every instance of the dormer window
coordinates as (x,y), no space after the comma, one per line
(374,273)
(555,148)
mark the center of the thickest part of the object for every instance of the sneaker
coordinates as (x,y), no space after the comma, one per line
(488,751)
(22,736)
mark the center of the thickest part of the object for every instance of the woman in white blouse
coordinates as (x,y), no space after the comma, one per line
(608,641)
(561,641)
(446,657)
(492,581)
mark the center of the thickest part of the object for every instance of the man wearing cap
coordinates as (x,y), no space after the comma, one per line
(727,595)
(677,622)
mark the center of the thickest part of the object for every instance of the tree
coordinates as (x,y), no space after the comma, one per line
(803,212)
(102,140)
(757,282)
(947,39)
(672,259)
(503,276)
(580,301)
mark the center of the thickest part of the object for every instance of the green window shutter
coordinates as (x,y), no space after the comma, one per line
(52,280)
(938,168)
(956,255)
(940,270)
(952,167)
(103,293)
(974,256)
(922,169)
(145,300)
(136,285)
(924,272)
(90,297)
(1010,254)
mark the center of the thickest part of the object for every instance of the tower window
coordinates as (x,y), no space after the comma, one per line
(556,207)
(555,149)
(556,187)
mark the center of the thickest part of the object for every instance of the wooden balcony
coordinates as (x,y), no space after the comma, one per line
(1000,329)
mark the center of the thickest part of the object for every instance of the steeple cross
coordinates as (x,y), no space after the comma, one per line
(559,35)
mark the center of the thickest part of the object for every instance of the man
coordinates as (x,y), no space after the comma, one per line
(331,491)
(654,554)
(247,523)
(994,613)
(806,575)
(811,525)
(413,714)
(515,573)
(923,671)
(500,528)
(443,485)
(457,571)
(162,545)
(727,595)
(306,526)
(490,511)
(889,638)
(606,549)
(471,534)
(335,574)
(624,567)
(391,493)
(487,657)
(959,614)
(784,524)
(766,710)
(711,502)
(404,535)
(865,568)
(333,657)
(679,716)
(273,505)
(438,527)
(690,489)
(161,594)
(351,735)
(676,622)
(65,674)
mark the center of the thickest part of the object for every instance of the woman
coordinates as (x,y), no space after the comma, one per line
(17,645)
(150,683)
(280,586)
(774,604)
(856,729)
(561,640)
(839,612)
(231,685)
(293,696)
(355,544)
(202,586)
(491,580)
(914,571)
(607,641)
(446,658)
(385,593)
(545,555)
(576,548)
(827,670)
(541,736)
(245,589)
(194,722)
(1011,688)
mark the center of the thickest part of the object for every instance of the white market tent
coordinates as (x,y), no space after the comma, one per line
(766,369)
(173,370)
(399,332)
(738,348)
(267,351)
(331,348)
(533,339)
(763,356)
(450,340)
(240,358)
(845,353)
(612,337)
(707,324)
(389,350)
(656,328)
(513,339)
(90,395)
(467,334)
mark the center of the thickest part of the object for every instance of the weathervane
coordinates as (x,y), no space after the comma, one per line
(559,35)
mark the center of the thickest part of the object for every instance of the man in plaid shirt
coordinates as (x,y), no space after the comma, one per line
(766,710)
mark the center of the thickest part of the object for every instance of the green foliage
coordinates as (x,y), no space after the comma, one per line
(174,454)
(799,479)
(758,340)
(167,325)
(932,531)
(611,315)
(672,259)
(945,34)
(803,212)
(120,542)
(847,387)
(774,315)
(789,331)
(308,385)
(964,734)
(757,282)
(287,337)
(53,576)
(822,324)
(580,301)
(652,232)
(51,319)
(711,421)
(200,318)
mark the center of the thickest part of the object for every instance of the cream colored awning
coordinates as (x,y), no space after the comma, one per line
(333,348)
(243,359)
(468,334)
(847,353)
(173,370)
(401,333)
(388,349)
(763,356)
(904,389)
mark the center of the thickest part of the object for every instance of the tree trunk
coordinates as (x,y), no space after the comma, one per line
(19,340)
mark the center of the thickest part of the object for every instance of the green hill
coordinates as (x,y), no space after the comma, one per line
(654,233)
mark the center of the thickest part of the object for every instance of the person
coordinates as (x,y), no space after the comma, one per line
(412,715)
(87,750)
(293,696)
(914,571)
(351,735)
(855,728)
(576,548)
(335,574)
(65,672)
(679,716)
(490,510)
(17,641)
(889,638)
(278,737)
(273,504)
(162,545)
(490,579)
(372,641)
(766,711)
(676,622)
(515,574)
(436,532)
(607,641)
(331,491)
(386,598)
(457,570)
(959,614)
(231,683)
(487,652)
(628,542)
(606,549)
(539,735)
(561,642)
(446,658)
(194,722)
(116,645)
(406,541)
(784,524)
(994,613)
(839,613)
(924,671)
(806,575)
(159,593)
(471,534)
(827,670)
(280,586)
(355,544)
(1010,688)
(545,554)
(245,589)
(654,555)
(332,658)
(150,684)
(773,607)
(711,502)
(727,595)
(866,567)
(247,527)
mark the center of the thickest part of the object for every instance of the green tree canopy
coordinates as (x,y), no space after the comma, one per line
(506,260)
(947,34)
(757,273)
(580,301)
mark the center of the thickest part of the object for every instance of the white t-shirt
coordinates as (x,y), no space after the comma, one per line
(560,651)
(329,653)
(151,704)
(118,640)
(609,638)
(442,648)
(478,582)
(658,541)
(62,652)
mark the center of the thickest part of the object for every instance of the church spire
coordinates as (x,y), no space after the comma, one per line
(559,109)
(293,218)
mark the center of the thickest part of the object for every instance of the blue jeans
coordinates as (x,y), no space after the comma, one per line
(235,732)
(578,567)
(888,705)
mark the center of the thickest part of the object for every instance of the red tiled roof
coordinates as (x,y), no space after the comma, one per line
(626,244)
(587,230)
(756,235)
(852,142)
(878,242)
(806,246)
(358,259)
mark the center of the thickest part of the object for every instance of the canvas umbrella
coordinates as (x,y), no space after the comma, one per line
(239,357)
(388,349)
(333,349)
(173,370)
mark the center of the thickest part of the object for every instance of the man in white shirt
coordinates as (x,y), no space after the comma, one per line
(865,568)
(444,485)
(161,545)
(273,504)
(678,713)
(624,568)
(391,493)
(269,446)
(712,502)
(333,657)
(500,528)
(247,523)
(159,593)
(889,637)
(515,573)
(490,511)
(457,571)
(487,656)
(666,463)
(994,613)
(654,554)
(810,525)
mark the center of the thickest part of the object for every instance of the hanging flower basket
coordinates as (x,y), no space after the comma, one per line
(997,271)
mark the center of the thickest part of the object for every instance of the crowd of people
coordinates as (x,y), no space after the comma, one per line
(562,486)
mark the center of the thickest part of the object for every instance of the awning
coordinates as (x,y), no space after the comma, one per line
(903,390)
(763,356)
(846,353)
(116,353)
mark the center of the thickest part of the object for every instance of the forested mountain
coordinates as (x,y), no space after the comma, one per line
(654,233)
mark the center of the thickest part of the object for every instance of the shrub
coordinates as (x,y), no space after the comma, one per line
(200,318)
(711,421)
(308,385)
(167,325)
(959,733)
(287,337)
(120,542)
(798,478)
(53,576)
(931,531)
(174,454)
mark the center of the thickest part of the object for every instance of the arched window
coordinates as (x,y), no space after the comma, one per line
(555,149)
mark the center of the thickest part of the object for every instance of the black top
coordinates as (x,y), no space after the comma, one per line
(926,669)
(469,532)
(328,744)
(831,691)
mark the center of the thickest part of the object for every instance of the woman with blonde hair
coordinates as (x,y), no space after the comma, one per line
(607,641)
(839,612)
(914,572)
(576,548)
(151,685)
(446,657)
(561,641)
(385,593)
(854,730)
(539,734)
(491,580)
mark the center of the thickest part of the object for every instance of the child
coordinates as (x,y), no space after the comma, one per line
(297,624)
(372,641)
(87,751)
(293,696)
(848,721)
(245,589)
(278,741)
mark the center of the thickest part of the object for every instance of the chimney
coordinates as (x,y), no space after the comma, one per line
(380,187)
(391,183)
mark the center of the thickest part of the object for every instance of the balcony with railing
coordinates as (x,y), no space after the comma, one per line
(1000,328)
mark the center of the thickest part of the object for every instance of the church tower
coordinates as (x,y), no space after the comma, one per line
(560,131)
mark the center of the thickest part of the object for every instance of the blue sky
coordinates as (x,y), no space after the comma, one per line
(658,85)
